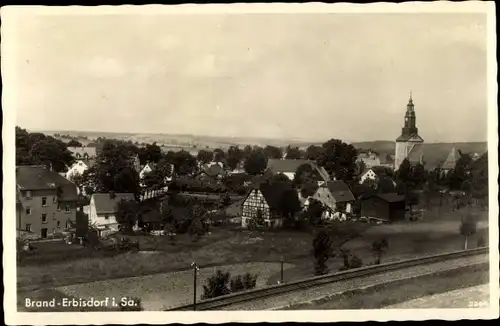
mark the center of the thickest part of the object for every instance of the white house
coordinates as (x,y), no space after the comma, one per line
(103,208)
(374,173)
(78,168)
(336,197)
(148,168)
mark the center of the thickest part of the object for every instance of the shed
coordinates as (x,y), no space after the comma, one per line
(389,206)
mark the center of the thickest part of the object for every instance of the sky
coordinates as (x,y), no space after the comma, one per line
(301,76)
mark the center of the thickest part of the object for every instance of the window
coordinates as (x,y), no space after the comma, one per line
(44,218)
(28,211)
(106,216)
(58,224)
(28,194)
(28,227)
(44,201)
(53,216)
(58,207)
(54,199)
(66,209)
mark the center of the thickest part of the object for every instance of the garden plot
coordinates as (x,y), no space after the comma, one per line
(166,290)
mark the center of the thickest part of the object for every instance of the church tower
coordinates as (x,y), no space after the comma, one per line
(409,144)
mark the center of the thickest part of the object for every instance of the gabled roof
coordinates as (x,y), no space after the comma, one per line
(290,166)
(340,191)
(88,162)
(391,197)
(213,170)
(35,177)
(81,151)
(104,204)
(451,160)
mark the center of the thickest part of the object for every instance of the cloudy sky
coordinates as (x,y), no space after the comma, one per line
(309,76)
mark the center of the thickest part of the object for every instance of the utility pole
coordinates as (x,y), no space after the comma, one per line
(195,272)
(281,275)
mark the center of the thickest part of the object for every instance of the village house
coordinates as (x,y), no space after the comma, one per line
(374,174)
(213,171)
(289,167)
(46,201)
(264,200)
(103,208)
(78,168)
(336,197)
(369,158)
(450,162)
(386,207)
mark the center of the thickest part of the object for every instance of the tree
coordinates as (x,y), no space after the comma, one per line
(417,175)
(322,246)
(234,157)
(361,166)
(74,143)
(127,214)
(39,149)
(306,180)
(247,150)
(314,152)
(468,227)
(216,285)
(385,185)
(339,159)
(379,247)
(151,153)
(256,162)
(184,163)
(315,212)
(204,156)
(219,155)
(293,153)
(403,174)
(461,173)
(273,152)
(78,180)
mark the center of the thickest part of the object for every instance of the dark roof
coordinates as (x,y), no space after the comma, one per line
(340,191)
(35,177)
(272,193)
(104,204)
(291,166)
(391,197)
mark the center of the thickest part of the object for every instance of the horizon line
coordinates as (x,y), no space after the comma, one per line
(296,140)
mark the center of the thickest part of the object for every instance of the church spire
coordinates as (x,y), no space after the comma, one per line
(410,124)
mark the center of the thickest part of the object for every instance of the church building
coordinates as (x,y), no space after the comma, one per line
(409,144)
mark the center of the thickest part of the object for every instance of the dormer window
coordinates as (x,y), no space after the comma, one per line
(28,194)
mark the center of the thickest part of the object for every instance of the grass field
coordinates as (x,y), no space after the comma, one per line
(437,233)
(395,293)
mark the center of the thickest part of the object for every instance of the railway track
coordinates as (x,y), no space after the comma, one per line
(236,299)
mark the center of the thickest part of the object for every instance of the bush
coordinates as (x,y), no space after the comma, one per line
(237,284)
(356,262)
(216,285)
(322,246)
(249,281)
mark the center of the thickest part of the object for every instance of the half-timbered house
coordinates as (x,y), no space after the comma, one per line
(262,203)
